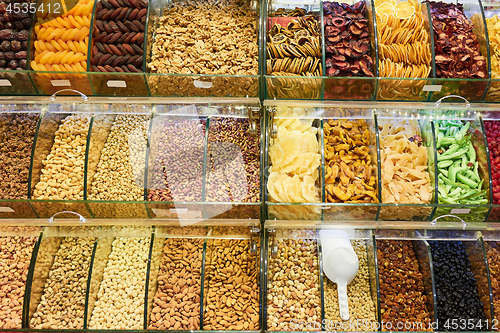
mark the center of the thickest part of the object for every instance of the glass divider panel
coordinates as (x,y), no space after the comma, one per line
(102,252)
(148,152)
(479,269)
(321,279)
(488,138)
(262,171)
(33,149)
(491,315)
(46,255)
(85,165)
(424,260)
(29,282)
(202,290)
(433,283)
(379,164)
(322,167)
(153,289)
(372,262)
(148,290)
(89,280)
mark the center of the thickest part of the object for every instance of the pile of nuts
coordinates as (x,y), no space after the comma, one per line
(206,37)
(120,172)
(233,173)
(293,298)
(62,173)
(456,45)
(176,153)
(14,33)
(15,257)
(231,299)
(350,175)
(402,294)
(493,254)
(361,304)
(456,288)
(119,35)
(63,302)
(177,300)
(347,40)
(16,141)
(120,303)
(294,49)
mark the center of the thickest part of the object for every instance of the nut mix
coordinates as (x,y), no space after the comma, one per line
(293,287)
(456,288)
(295,160)
(206,37)
(361,305)
(62,41)
(493,254)
(120,303)
(294,49)
(177,300)
(231,289)
(62,173)
(120,172)
(15,257)
(17,132)
(14,33)
(63,302)
(350,175)
(403,40)
(233,173)
(177,169)
(459,181)
(347,40)
(119,35)
(402,294)
(456,45)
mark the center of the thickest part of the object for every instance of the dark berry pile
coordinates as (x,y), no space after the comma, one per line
(456,287)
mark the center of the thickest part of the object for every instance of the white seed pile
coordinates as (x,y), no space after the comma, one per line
(63,302)
(62,173)
(120,172)
(120,300)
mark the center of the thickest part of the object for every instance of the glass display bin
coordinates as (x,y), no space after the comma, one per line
(411,277)
(378,162)
(132,159)
(134,277)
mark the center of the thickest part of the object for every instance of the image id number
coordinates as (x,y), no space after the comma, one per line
(25,7)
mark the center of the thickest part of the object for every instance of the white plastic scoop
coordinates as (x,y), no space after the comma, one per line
(340,264)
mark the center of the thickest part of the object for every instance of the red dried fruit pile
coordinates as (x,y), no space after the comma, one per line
(456,46)
(493,136)
(119,36)
(14,33)
(347,40)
